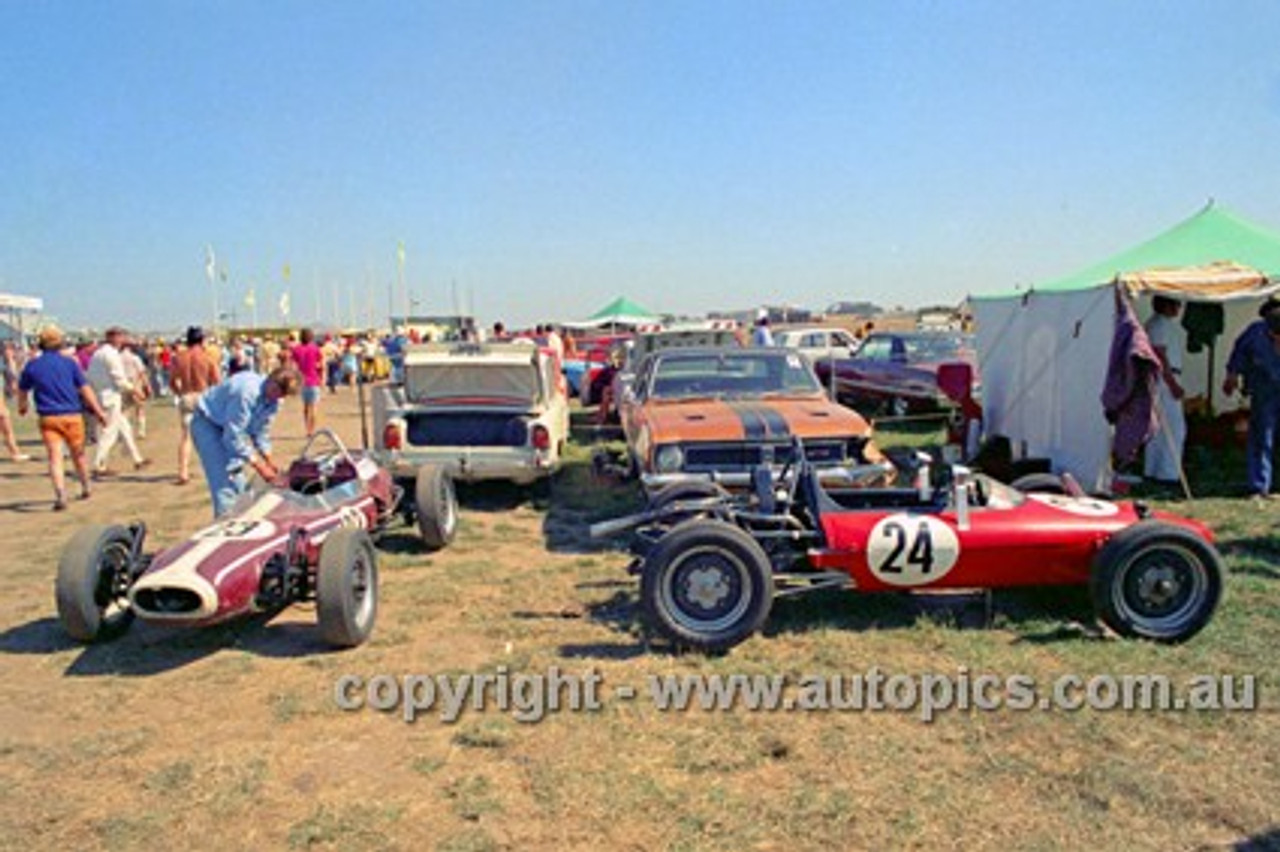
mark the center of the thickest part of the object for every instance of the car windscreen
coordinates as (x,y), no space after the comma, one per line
(941,347)
(732,374)
(425,382)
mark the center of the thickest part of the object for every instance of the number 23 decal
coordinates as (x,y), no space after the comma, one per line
(911,550)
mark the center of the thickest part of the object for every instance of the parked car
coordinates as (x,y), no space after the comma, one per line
(719,413)
(470,412)
(899,373)
(711,564)
(818,343)
(620,372)
(303,538)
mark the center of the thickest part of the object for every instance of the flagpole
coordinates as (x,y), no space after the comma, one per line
(404,293)
(210,270)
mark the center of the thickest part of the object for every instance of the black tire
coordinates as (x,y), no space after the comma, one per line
(437,506)
(706,585)
(347,588)
(1155,580)
(92,589)
(1039,483)
(676,491)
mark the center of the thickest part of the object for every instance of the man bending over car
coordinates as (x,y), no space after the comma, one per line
(231,429)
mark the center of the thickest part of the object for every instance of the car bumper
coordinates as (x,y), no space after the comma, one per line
(472,464)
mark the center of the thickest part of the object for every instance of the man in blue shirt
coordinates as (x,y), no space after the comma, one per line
(231,430)
(1255,357)
(62,395)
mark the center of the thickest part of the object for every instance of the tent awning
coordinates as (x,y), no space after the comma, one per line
(1222,281)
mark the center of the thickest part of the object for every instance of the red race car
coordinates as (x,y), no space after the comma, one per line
(305,537)
(711,562)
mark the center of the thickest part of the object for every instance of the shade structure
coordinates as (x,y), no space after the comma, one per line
(1043,352)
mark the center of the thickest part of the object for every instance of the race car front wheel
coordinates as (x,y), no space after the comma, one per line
(437,506)
(1155,580)
(347,588)
(706,585)
(94,575)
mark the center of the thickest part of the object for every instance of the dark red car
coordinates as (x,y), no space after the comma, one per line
(904,373)
(303,538)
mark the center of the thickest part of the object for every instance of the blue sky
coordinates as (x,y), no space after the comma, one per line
(539,158)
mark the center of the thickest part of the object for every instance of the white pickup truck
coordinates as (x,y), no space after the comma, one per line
(469,412)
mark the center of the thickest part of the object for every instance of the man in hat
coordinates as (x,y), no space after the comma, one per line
(192,372)
(1255,358)
(110,380)
(762,336)
(62,394)
(231,429)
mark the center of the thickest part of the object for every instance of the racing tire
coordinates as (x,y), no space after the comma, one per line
(437,506)
(668,494)
(1039,483)
(347,588)
(1157,581)
(92,589)
(706,585)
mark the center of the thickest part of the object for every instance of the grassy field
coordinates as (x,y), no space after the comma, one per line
(232,737)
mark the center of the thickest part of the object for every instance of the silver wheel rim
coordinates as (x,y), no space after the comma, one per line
(111,582)
(710,579)
(1161,589)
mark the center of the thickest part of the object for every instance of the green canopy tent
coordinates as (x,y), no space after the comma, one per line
(621,311)
(1043,352)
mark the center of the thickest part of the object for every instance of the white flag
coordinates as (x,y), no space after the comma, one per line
(284,304)
(210,263)
(249,299)
(400,253)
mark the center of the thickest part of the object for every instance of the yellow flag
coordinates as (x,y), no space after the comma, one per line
(249,300)
(287,270)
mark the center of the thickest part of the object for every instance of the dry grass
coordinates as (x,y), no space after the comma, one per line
(230,737)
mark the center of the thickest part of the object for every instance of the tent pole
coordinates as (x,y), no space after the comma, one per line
(1173,449)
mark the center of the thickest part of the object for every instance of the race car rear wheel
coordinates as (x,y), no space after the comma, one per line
(437,506)
(347,588)
(92,589)
(1039,483)
(706,585)
(1155,580)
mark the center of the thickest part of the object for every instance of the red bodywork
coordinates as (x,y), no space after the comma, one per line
(1044,540)
(217,573)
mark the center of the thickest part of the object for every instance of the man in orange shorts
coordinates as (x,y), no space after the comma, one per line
(61,394)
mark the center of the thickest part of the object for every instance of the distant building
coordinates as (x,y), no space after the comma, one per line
(862,309)
(18,314)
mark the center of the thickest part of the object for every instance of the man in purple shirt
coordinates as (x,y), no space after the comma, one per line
(61,395)
(1255,357)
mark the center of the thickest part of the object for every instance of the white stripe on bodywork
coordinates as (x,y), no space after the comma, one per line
(183,572)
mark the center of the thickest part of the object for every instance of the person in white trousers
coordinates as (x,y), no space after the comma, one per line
(111,383)
(1163,461)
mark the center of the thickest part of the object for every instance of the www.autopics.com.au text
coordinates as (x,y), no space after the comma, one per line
(530,697)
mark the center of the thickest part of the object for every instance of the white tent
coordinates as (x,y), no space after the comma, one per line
(1043,353)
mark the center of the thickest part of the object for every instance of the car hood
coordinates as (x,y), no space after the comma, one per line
(773,419)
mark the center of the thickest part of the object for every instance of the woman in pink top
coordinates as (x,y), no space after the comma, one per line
(309,361)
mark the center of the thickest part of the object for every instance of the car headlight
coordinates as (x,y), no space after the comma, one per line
(668,459)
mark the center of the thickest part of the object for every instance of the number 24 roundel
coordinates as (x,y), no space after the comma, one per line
(911,550)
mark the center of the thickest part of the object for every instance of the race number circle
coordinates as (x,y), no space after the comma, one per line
(912,550)
(1085,506)
(239,529)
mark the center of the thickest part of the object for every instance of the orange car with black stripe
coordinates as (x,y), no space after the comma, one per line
(722,412)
